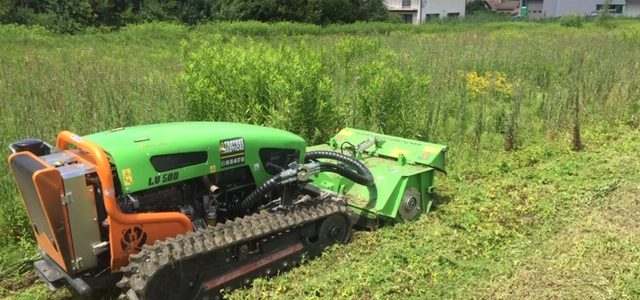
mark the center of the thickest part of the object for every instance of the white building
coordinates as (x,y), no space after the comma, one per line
(633,8)
(557,8)
(418,11)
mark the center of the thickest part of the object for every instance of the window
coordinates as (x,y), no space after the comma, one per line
(431,16)
(275,160)
(453,15)
(613,8)
(406,3)
(166,162)
(407,18)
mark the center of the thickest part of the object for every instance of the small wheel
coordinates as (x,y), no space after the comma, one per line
(410,205)
(334,229)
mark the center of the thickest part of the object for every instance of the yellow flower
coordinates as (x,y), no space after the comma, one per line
(489,82)
(475,83)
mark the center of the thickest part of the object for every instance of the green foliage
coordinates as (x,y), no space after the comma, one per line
(68,16)
(376,93)
(251,82)
(188,12)
(476,6)
(72,16)
(308,91)
(309,11)
(571,20)
(505,224)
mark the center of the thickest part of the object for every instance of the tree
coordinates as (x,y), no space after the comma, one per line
(71,16)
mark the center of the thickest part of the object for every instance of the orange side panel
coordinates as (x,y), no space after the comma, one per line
(127,232)
(50,188)
(52,225)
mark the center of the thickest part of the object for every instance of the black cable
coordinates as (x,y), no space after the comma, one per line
(258,194)
(351,147)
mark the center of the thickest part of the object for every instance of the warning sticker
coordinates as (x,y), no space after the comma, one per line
(128,177)
(231,152)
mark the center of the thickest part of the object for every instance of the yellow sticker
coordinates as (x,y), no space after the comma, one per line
(345,132)
(128,177)
(432,149)
(397,151)
(212,169)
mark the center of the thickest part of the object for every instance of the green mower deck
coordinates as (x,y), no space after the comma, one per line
(403,170)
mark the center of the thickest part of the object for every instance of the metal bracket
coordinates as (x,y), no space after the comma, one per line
(76,264)
(66,198)
(402,160)
(372,141)
(98,248)
(76,283)
(48,275)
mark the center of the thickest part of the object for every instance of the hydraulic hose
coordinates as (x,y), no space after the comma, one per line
(350,168)
(258,194)
(344,171)
(359,172)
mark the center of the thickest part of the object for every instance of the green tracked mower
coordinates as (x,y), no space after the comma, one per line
(189,210)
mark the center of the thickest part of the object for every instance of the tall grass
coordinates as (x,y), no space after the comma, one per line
(309,90)
(50,82)
(409,81)
(416,85)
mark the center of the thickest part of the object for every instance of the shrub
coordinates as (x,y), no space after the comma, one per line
(282,86)
(305,90)
(376,92)
(571,20)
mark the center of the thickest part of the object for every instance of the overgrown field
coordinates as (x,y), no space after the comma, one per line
(520,214)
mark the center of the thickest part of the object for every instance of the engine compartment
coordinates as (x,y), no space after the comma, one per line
(205,200)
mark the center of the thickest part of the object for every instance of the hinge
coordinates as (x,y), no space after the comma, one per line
(66,199)
(98,248)
(76,264)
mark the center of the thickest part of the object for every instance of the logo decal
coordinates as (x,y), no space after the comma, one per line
(231,152)
(132,239)
(164,178)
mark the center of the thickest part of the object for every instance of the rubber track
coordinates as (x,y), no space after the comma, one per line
(168,252)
